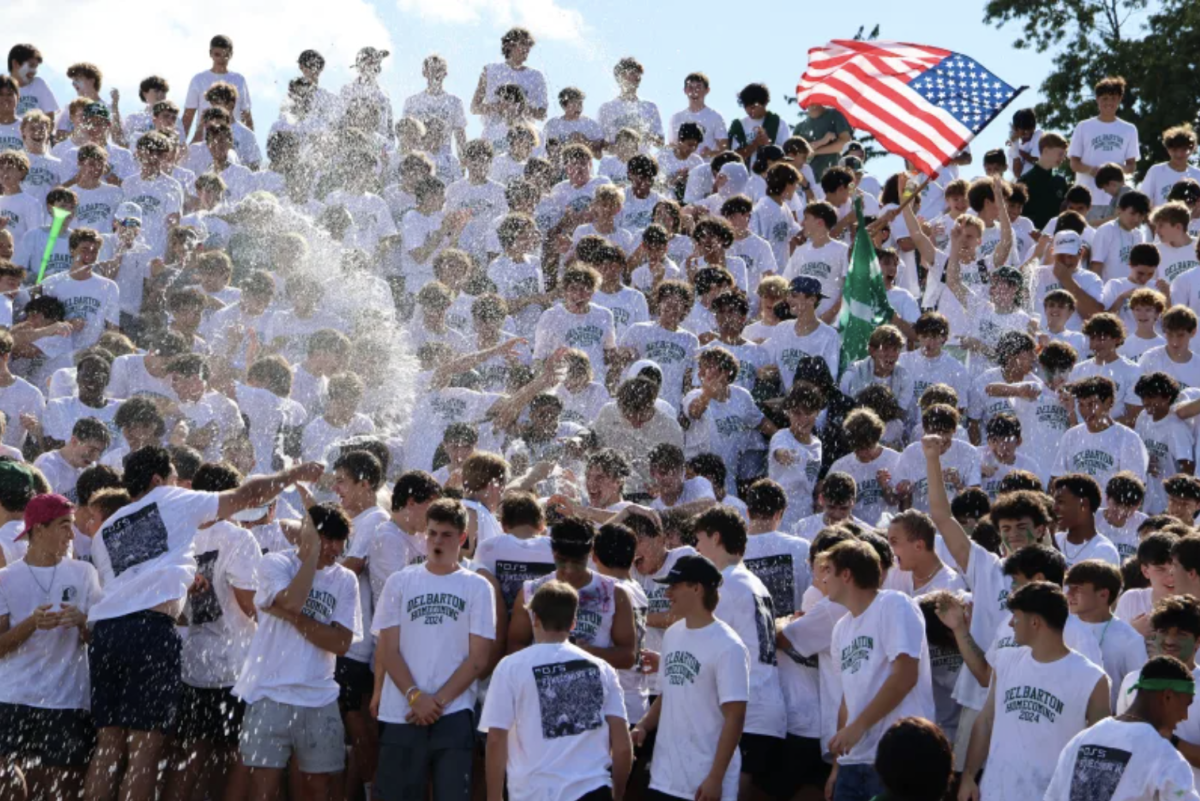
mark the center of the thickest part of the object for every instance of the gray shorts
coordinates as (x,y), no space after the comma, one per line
(273,731)
(410,756)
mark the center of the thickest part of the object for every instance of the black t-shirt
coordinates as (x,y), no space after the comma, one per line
(1046,194)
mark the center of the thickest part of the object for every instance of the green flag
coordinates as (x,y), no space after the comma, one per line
(865,304)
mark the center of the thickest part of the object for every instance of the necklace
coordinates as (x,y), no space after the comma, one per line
(1073,557)
(45,590)
(919,581)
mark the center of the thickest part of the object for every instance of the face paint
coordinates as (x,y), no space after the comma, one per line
(27,70)
(1186,644)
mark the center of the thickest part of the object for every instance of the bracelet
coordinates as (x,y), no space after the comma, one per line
(412,695)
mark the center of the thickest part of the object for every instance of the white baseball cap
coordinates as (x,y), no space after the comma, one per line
(1068,242)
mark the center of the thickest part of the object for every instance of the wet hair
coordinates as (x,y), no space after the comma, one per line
(615,546)
(917,526)
(839,488)
(858,557)
(1019,505)
(142,465)
(1100,574)
(572,538)
(94,479)
(449,511)
(1176,612)
(1034,559)
(521,509)
(972,503)
(764,499)
(415,485)
(482,469)
(1182,486)
(361,466)
(216,477)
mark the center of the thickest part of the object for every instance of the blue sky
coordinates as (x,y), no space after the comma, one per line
(578,44)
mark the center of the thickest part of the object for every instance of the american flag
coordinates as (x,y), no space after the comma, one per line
(920,102)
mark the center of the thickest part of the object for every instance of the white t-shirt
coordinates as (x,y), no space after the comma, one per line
(144,552)
(390,550)
(712,125)
(372,218)
(201,83)
(59,473)
(1168,442)
(437,410)
(282,665)
(23,212)
(865,645)
(62,413)
(1102,455)
(728,428)
(514,281)
(485,201)
(320,437)
(745,605)
(1123,649)
(786,348)
(96,207)
(701,670)
(776,224)
(1158,360)
(561,128)
(219,632)
(1123,373)
(96,300)
(437,616)
(1175,261)
(799,478)
(1045,283)
(1111,244)
(1119,760)
(640,115)
(911,467)
(657,603)
(1096,143)
(1040,706)
(554,700)
(811,676)
(828,264)
(1098,547)
(628,306)
(512,561)
(158,197)
(49,670)
(1161,178)
(673,352)
(592,332)
(20,397)
(869,504)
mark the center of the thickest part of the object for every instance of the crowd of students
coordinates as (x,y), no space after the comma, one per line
(618,523)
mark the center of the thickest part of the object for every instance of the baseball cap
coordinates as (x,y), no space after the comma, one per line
(853,145)
(1068,242)
(692,569)
(96,110)
(128,211)
(807,285)
(16,475)
(852,163)
(44,509)
(369,55)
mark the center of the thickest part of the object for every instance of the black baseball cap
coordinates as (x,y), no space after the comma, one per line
(693,570)
(806,285)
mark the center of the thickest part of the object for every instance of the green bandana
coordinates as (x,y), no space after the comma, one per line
(1178,685)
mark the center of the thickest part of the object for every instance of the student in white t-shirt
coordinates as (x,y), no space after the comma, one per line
(436,623)
(1091,586)
(309,613)
(557,728)
(577,322)
(705,668)
(1104,138)
(62,466)
(919,566)
(1042,694)
(885,668)
(144,554)
(1077,499)
(1127,758)
(44,602)
(435,102)
(220,50)
(747,607)
(1098,446)
(91,301)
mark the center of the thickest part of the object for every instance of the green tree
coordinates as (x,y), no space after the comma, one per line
(1154,49)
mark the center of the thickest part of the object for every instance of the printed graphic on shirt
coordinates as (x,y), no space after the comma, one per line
(571,697)
(857,653)
(1032,703)
(512,575)
(942,658)
(777,573)
(1098,771)
(680,668)
(1092,461)
(764,621)
(431,608)
(136,538)
(319,605)
(205,606)
(664,351)
(584,336)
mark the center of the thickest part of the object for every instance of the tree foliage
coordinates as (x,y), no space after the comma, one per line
(1157,50)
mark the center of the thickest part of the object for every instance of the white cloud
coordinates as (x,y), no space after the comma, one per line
(545,18)
(267,37)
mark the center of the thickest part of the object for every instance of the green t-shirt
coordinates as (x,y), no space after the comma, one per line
(813,129)
(1046,194)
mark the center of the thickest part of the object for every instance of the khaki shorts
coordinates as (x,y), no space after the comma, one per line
(272,732)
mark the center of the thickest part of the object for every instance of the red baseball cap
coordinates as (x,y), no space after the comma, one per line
(45,509)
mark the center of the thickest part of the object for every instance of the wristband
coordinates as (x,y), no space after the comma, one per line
(412,695)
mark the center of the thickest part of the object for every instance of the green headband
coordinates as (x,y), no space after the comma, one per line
(1178,685)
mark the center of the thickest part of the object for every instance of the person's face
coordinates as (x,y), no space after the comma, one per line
(684,598)
(1004,448)
(220,56)
(578,295)
(37,132)
(1161,577)
(667,482)
(1144,314)
(931,345)
(756,111)
(708,544)
(331,552)
(686,148)
(219,144)
(671,310)
(801,421)
(92,169)
(1102,344)
(629,80)
(1003,294)
(957,204)
(886,356)
(1070,509)
(11,175)
(213,280)
(1178,340)
(730,321)
(86,452)
(442,542)
(695,90)
(904,549)
(255,304)
(1109,104)
(58,534)
(518,53)
(1173,642)
(970,238)
(1023,361)
(187,318)
(544,418)
(1155,405)
(189,388)
(579,171)
(96,129)
(1095,408)
(8,284)
(1085,599)
(1183,509)
(1131,218)
(1024,628)
(139,434)
(837,512)
(1016,534)
(8,102)
(602,488)
(86,252)
(1141,274)
(801,304)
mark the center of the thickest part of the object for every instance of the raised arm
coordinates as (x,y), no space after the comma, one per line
(1000,256)
(939,503)
(924,244)
(257,491)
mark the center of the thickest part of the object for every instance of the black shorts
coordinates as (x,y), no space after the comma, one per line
(57,738)
(135,669)
(210,714)
(355,682)
(806,766)
(762,757)
(599,794)
(411,757)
